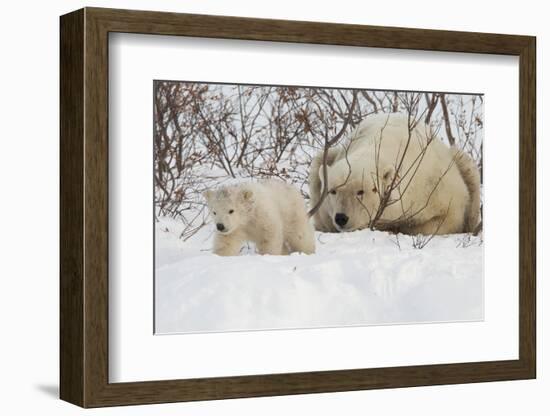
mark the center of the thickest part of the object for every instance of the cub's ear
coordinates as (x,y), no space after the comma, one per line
(207,195)
(388,173)
(247,195)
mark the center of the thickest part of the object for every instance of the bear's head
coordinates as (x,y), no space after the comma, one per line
(354,194)
(229,207)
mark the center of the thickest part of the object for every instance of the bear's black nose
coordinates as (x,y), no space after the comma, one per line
(220,226)
(341,219)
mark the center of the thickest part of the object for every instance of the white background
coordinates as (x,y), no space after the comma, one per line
(29,181)
(136,355)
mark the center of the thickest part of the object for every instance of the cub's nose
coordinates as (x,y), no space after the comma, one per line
(341,219)
(220,226)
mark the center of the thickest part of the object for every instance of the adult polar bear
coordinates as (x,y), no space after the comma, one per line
(434,190)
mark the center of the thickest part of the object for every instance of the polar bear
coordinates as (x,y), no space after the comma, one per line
(430,188)
(270,213)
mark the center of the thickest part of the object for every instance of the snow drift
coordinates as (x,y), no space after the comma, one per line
(359,278)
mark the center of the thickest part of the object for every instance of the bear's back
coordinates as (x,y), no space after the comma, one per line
(275,200)
(277,193)
(388,136)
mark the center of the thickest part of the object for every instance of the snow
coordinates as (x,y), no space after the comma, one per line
(360,278)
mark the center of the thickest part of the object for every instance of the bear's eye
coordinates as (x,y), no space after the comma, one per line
(333,192)
(231,211)
(214,213)
(374,189)
(360,193)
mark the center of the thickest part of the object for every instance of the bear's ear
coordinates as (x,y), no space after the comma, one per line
(388,173)
(207,195)
(321,176)
(247,195)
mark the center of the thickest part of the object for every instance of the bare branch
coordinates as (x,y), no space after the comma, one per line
(328,144)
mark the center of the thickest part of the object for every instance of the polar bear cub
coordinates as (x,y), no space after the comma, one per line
(270,213)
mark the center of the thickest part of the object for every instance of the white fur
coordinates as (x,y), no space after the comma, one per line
(441,188)
(271,213)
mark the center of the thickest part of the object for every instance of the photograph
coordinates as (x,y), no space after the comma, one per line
(295,207)
(285,206)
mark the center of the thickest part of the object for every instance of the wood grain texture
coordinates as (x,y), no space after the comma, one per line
(162,23)
(527,207)
(84,207)
(71,100)
(96,208)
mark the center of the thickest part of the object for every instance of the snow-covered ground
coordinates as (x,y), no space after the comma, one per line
(358,278)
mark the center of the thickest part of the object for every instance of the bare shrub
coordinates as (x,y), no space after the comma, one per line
(208,134)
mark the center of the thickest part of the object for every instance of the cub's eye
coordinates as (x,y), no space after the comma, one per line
(374,189)
(333,192)
(214,213)
(231,211)
(360,193)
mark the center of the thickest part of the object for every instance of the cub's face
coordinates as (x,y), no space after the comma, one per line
(353,199)
(228,208)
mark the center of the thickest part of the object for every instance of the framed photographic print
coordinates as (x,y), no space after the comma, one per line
(256,207)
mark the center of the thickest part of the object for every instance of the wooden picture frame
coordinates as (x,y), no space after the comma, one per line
(84,207)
